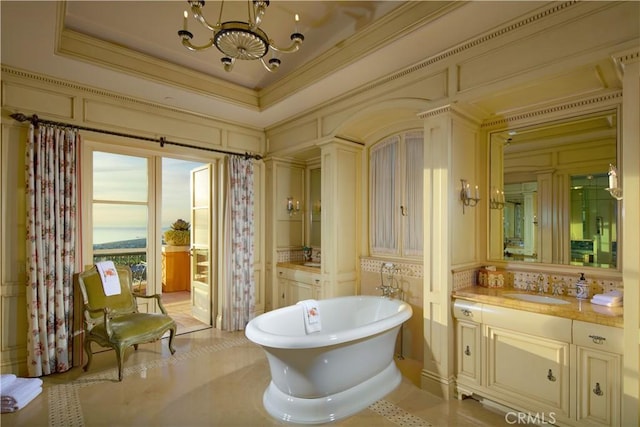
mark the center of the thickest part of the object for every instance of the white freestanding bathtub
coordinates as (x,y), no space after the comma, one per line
(336,372)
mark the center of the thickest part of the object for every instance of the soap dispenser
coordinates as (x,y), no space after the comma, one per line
(582,288)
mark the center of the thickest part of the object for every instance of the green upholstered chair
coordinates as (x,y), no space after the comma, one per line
(114,321)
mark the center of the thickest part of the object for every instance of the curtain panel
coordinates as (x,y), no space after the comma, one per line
(51,198)
(239,294)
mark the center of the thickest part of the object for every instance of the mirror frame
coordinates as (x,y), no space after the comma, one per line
(495,174)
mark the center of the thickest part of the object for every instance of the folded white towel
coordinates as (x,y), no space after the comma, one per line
(610,299)
(109,277)
(311,314)
(16,393)
(5,379)
(606,303)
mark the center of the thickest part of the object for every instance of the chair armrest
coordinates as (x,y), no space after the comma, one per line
(106,316)
(156,296)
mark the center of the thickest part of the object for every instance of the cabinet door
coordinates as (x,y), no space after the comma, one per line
(299,291)
(529,371)
(598,388)
(283,289)
(468,352)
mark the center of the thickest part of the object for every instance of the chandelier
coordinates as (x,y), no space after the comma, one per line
(239,39)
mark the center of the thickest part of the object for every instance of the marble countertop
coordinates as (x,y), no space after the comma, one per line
(575,309)
(298,266)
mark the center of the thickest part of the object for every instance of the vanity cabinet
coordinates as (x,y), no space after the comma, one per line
(297,285)
(528,370)
(598,361)
(468,339)
(540,364)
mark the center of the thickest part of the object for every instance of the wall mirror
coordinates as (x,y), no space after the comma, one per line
(548,200)
(315,207)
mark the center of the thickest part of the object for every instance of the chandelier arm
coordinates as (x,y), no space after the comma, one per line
(187,43)
(270,68)
(197,14)
(297,41)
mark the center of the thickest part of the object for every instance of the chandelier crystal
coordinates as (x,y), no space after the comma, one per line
(239,39)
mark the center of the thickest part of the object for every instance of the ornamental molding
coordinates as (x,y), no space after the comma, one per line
(569,107)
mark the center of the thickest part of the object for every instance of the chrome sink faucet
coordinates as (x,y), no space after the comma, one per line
(541,283)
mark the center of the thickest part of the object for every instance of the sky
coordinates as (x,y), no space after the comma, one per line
(119,177)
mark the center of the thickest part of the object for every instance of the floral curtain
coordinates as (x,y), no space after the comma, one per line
(51,229)
(239,294)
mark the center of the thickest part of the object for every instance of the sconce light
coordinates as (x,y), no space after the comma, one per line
(497,199)
(293,207)
(465,195)
(614,189)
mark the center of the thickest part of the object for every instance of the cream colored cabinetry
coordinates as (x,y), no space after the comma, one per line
(598,361)
(565,370)
(528,371)
(297,285)
(468,340)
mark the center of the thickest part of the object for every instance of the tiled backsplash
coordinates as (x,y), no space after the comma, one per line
(405,269)
(519,279)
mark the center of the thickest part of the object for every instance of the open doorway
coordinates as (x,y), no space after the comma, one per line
(176,225)
(127,222)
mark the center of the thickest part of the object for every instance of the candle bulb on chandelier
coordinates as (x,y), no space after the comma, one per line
(297,19)
(477,193)
(184,22)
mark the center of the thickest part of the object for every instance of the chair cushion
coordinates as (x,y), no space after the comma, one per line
(134,328)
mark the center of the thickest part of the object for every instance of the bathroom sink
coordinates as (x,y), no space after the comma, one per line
(312,264)
(544,299)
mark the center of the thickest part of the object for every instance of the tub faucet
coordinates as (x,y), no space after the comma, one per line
(390,288)
(388,291)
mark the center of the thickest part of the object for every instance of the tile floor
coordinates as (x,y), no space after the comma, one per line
(214,379)
(178,306)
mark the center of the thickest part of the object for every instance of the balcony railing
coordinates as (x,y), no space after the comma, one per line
(135,258)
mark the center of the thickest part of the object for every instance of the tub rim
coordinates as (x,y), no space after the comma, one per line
(317,340)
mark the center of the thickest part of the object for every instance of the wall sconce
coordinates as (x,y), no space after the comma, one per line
(497,199)
(614,189)
(293,207)
(465,195)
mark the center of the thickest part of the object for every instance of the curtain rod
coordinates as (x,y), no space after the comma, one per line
(162,140)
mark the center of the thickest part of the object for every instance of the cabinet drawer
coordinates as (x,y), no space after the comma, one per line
(284,273)
(467,310)
(599,337)
(305,277)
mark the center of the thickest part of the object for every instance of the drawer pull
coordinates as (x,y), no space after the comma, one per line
(467,312)
(317,281)
(597,339)
(467,351)
(550,376)
(598,391)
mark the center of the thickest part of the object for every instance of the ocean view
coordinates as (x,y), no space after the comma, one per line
(116,234)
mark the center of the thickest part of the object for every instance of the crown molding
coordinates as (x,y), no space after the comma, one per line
(12,74)
(597,102)
(382,32)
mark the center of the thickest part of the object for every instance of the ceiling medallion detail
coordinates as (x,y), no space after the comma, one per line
(239,39)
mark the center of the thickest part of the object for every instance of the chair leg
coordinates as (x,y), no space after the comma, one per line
(172,333)
(120,358)
(87,349)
